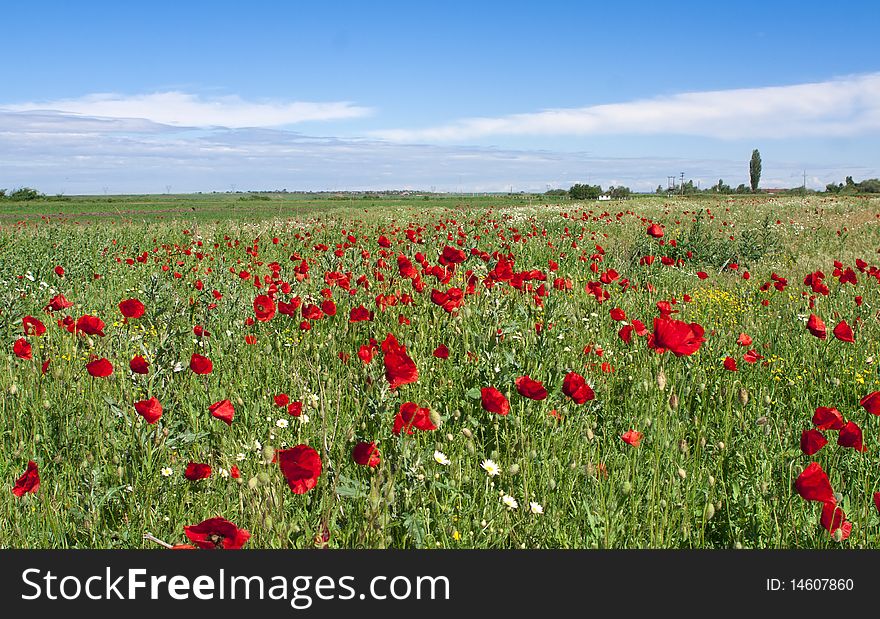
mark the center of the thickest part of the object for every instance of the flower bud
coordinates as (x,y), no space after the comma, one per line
(661,380)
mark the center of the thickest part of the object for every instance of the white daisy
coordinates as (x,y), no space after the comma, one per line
(167,471)
(490,467)
(440,458)
(509,501)
(536,508)
(282,423)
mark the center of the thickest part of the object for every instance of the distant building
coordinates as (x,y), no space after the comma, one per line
(604,197)
(773,190)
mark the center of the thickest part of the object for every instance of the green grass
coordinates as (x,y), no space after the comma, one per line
(714,470)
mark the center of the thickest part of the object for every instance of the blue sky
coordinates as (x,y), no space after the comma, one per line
(202,96)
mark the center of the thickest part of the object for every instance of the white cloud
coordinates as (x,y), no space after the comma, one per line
(841,107)
(188,110)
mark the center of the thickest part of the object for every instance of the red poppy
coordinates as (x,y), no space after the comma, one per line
(310,311)
(295,408)
(215,534)
(575,387)
(301,467)
(197,470)
(812,441)
(451,255)
(59,271)
(33,326)
(681,338)
(702,275)
(816,327)
(100,368)
(412,416)
(632,437)
(871,403)
(752,356)
(617,314)
(400,369)
(138,365)
(813,484)
(22,349)
(199,331)
(366,454)
(328,307)
(844,332)
(626,333)
(200,364)
(264,308)
(222,410)
(530,388)
(833,518)
(494,401)
(655,231)
(281,400)
(730,364)
(744,340)
(45,367)
(877,502)
(90,325)
(359,314)
(28,482)
(132,308)
(57,303)
(441,352)
(234,473)
(851,436)
(150,410)
(827,418)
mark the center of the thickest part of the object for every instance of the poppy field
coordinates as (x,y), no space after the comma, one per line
(650,373)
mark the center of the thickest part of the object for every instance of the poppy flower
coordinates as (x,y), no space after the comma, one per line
(59,271)
(494,401)
(626,333)
(632,437)
(410,416)
(281,400)
(654,230)
(575,387)
(617,314)
(400,369)
(877,502)
(28,482)
(215,534)
(200,364)
(441,352)
(200,331)
(827,418)
(359,314)
(57,303)
(150,410)
(833,518)
(366,353)
(730,364)
(744,340)
(530,388)
(366,454)
(871,403)
(45,367)
(752,356)
(295,408)
(844,332)
(851,436)
(100,368)
(816,327)
(679,337)
(90,325)
(812,441)
(328,307)
(264,308)
(132,308)
(222,410)
(702,275)
(22,349)
(197,470)
(33,326)
(138,365)
(301,467)
(813,485)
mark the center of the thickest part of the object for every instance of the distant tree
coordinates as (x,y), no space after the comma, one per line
(741,188)
(619,192)
(721,187)
(25,193)
(755,170)
(660,189)
(2,193)
(556,192)
(869,185)
(585,192)
(832,188)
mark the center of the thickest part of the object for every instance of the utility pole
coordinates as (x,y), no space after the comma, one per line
(805,181)
(681,188)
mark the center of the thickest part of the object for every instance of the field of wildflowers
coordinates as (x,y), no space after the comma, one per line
(649,373)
